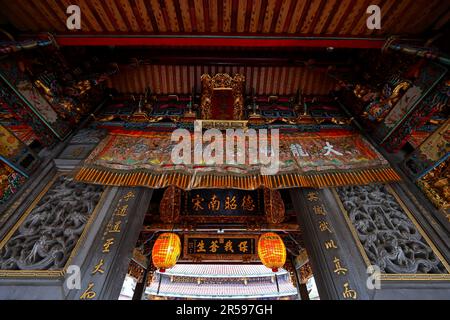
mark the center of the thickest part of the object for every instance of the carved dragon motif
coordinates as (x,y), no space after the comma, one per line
(47,237)
(390,239)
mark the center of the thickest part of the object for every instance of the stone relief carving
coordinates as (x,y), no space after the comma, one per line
(48,235)
(390,239)
(88,136)
(222,81)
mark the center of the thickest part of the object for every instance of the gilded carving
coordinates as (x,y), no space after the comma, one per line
(222,81)
(170,206)
(305,273)
(435,185)
(136,271)
(274,206)
(381,104)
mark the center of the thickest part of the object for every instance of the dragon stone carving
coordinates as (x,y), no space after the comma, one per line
(390,239)
(48,235)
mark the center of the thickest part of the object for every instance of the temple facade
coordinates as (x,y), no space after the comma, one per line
(275,150)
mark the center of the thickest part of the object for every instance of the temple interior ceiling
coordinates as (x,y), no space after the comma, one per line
(191,149)
(316,17)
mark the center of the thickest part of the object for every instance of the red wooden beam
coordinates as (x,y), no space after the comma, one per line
(218,41)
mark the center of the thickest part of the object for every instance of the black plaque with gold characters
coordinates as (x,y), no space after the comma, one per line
(223,202)
(220,247)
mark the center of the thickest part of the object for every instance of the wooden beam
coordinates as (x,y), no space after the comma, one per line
(218,41)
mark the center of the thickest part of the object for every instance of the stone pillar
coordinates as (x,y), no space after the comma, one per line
(327,242)
(350,229)
(104,270)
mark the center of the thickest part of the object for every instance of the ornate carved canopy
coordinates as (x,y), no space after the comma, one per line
(222,97)
(171,206)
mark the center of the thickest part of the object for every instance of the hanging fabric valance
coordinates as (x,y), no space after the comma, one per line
(325,159)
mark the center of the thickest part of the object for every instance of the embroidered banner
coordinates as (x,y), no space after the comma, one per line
(305,160)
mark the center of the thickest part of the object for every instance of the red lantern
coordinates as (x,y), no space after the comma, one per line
(166,251)
(271,251)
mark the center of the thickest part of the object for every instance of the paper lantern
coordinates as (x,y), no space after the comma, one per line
(271,251)
(166,251)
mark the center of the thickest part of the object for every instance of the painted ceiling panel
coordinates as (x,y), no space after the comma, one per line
(307,17)
(182,79)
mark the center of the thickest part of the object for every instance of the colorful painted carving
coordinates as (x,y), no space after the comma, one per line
(432,103)
(10,182)
(430,153)
(428,76)
(15,78)
(17,108)
(436,186)
(16,152)
(390,95)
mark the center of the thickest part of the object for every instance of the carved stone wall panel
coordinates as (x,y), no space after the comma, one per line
(46,236)
(387,233)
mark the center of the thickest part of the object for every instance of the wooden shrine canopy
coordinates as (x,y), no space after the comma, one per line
(319,159)
(222,96)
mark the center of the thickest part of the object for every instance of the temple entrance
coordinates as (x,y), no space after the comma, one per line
(219,256)
(152,163)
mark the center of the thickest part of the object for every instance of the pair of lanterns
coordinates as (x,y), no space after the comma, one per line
(167,249)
